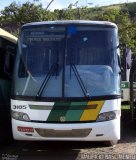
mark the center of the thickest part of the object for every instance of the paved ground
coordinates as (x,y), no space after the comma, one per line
(125,149)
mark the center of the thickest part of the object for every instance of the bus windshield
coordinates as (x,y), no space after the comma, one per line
(67,61)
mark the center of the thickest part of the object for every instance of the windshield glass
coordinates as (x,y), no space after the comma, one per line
(67,61)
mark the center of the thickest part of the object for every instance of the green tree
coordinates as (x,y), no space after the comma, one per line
(15,15)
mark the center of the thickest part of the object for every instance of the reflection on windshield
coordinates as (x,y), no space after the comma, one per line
(86,59)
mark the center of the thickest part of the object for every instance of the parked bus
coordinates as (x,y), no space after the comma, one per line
(128,83)
(126,61)
(8,44)
(66,82)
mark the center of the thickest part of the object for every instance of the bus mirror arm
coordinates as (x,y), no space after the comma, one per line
(121,71)
(120,67)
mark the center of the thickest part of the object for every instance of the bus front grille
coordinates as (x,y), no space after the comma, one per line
(63,133)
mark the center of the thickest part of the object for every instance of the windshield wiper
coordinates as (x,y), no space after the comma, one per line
(86,94)
(52,70)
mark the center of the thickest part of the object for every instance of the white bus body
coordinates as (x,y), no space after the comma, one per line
(98,131)
(77,94)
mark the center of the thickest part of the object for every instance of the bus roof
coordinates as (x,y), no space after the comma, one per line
(66,22)
(6,35)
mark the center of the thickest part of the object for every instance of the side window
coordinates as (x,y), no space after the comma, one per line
(9,60)
(7,52)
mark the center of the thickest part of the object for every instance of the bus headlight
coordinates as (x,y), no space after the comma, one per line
(20,116)
(107,116)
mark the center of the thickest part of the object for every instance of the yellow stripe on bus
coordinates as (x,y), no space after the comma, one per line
(90,114)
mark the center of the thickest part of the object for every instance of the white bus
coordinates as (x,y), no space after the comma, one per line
(66,83)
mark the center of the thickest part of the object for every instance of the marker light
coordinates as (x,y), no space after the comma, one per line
(20,116)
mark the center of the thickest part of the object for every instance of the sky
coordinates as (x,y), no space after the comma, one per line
(59,4)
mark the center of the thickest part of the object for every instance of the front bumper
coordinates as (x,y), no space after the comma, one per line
(97,131)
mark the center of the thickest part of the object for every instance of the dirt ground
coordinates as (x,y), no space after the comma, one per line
(125,149)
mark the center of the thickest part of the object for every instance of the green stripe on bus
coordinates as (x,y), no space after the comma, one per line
(75,111)
(125,85)
(59,110)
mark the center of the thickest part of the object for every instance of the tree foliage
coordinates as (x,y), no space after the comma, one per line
(124,15)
